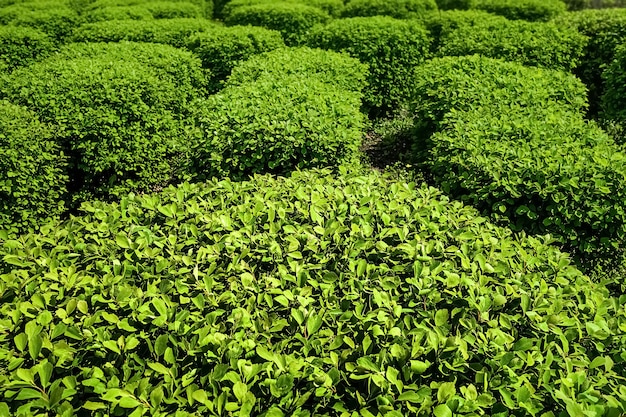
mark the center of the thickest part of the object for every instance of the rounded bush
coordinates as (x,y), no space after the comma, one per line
(455,4)
(400,9)
(122,121)
(530,43)
(174,10)
(118,13)
(222,48)
(33,172)
(58,22)
(20,46)
(462,83)
(168,9)
(546,171)
(606,30)
(301,296)
(168,31)
(293,20)
(533,10)
(332,7)
(339,69)
(391,48)
(276,126)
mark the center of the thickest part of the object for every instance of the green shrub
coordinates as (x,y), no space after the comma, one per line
(118,13)
(168,31)
(339,69)
(33,171)
(277,126)
(21,46)
(293,21)
(400,9)
(174,10)
(530,43)
(614,98)
(391,48)
(606,30)
(465,83)
(301,296)
(455,4)
(332,7)
(122,121)
(533,10)
(58,22)
(165,9)
(545,170)
(222,48)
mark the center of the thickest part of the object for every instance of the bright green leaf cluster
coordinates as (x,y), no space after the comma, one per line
(20,46)
(532,10)
(332,7)
(399,9)
(55,19)
(163,9)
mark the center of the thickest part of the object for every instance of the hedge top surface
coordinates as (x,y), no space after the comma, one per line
(303,296)
(400,9)
(332,7)
(533,10)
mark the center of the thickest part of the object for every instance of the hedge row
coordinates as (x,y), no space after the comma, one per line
(513,142)
(53,18)
(153,10)
(332,7)
(163,8)
(400,9)
(300,296)
(20,46)
(533,10)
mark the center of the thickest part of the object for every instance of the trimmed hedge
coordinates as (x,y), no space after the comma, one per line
(399,9)
(33,172)
(545,170)
(614,98)
(173,8)
(303,296)
(223,47)
(339,69)
(118,13)
(332,7)
(276,126)
(20,46)
(533,10)
(465,83)
(455,4)
(391,48)
(606,30)
(292,20)
(122,121)
(56,20)
(530,43)
(168,31)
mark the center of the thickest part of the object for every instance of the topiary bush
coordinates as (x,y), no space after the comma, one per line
(55,19)
(168,31)
(530,43)
(332,7)
(222,48)
(399,9)
(33,172)
(276,126)
(20,46)
(123,122)
(292,20)
(309,295)
(391,48)
(339,69)
(533,10)
(614,98)
(606,30)
(118,13)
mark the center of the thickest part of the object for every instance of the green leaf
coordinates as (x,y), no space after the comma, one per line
(442,410)
(313,323)
(160,368)
(34,346)
(240,390)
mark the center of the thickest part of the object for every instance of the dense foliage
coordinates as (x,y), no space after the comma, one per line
(222,48)
(310,295)
(530,43)
(332,7)
(533,10)
(55,19)
(103,14)
(400,9)
(163,8)
(391,48)
(614,99)
(293,20)
(276,125)
(455,4)
(33,171)
(20,46)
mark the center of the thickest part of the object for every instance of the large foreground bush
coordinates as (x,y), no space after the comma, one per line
(400,9)
(119,116)
(530,43)
(276,125)
(305,296)
(391,48)
(33,171)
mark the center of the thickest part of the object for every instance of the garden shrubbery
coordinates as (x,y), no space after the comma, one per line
(614,98)
(391,48)
(332,7)
(338,69)
(168,31)
(118,13)
(530,43)
(53,18)
(20,46)
(308,295)
(399,9)
(163,9)
(455,4)
(33,171)
(292,20)
(533,10)
(222,48)
(276,125)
